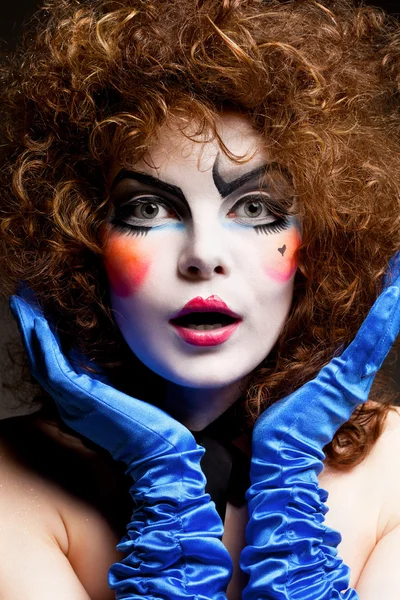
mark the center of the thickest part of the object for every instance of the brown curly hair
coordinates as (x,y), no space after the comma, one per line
(94,80)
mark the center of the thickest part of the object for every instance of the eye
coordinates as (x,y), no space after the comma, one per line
(148,210)
(145,211)
(258,208)
(261,213)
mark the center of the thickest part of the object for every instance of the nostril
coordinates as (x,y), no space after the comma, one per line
(193,270)
(203,270)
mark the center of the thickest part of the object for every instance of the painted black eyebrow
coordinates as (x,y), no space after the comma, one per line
(222,186)
(169,188)
(225,188)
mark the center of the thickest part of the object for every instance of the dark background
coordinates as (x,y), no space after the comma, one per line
(15,12)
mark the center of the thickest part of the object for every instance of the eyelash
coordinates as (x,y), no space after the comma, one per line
(121,225)
(280,224)
(275,227)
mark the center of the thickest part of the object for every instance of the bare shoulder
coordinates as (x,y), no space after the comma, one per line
(51,536)
(364,501)
(392,422)
(383,466)
(379,576)
(374,484)
(28,502)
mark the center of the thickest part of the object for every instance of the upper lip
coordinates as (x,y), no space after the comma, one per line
(210,304)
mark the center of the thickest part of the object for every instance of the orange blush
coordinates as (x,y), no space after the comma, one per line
(285,263)
(125,264)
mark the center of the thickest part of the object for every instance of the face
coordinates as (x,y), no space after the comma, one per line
(200,256)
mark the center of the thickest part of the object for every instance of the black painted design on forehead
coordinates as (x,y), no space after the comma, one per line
(150,181)
(125,189)
(226,188)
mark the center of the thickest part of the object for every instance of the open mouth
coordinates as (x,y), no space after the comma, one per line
(204,321)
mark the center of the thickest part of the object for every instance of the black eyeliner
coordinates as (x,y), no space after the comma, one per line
(124,209)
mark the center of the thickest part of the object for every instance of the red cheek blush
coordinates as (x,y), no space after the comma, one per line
(284,265)
(125,264)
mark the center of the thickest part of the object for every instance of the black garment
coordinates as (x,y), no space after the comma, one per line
(226,462)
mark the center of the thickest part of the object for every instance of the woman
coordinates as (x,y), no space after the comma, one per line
(185,158)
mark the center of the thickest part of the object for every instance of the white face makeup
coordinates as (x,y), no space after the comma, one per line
(189,223)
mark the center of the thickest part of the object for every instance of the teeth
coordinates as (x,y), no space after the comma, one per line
(207,327)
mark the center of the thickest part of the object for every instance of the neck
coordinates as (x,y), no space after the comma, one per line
(198,407)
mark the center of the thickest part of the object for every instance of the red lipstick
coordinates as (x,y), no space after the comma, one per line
(220,326)
(210,304)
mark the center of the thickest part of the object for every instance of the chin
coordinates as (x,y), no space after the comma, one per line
(204,376)
(204,383)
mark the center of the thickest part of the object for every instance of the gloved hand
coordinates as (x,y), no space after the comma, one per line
(291,554)
(173,539)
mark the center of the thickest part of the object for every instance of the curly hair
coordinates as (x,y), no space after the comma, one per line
(94,80)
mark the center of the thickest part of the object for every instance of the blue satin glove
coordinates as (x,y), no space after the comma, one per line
(291,553)
(174,537)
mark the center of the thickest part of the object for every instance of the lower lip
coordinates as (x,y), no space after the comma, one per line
(210,337)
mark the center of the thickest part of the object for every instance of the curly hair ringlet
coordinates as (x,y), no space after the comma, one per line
(93,81)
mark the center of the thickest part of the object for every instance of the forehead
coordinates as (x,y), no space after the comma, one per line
(179,145)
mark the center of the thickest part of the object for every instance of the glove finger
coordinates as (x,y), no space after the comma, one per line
(101,412)
(385,343)
(24,316)
(392,275)
(74,393)
(377,334)
(87,403)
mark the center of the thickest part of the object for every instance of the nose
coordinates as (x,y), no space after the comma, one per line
(204,255)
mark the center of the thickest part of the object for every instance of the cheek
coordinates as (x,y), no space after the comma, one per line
(281,263)
(126,265)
